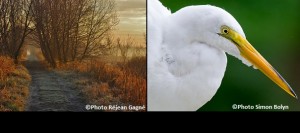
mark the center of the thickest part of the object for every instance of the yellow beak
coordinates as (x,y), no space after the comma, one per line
(254,57)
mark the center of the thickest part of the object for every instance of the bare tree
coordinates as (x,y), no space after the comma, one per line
(100,21)
(124,46)
(69,30)
(14,26)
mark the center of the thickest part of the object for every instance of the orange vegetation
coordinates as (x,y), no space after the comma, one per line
(121,83)
(14,82)
(6,67)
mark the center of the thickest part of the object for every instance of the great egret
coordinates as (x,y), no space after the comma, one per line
(186,55)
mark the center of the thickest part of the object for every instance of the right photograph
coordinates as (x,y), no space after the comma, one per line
(223,55)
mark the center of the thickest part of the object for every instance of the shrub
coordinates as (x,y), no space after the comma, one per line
(6,66)
(124,83)
(14,85)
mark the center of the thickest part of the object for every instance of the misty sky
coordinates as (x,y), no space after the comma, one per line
(132,15)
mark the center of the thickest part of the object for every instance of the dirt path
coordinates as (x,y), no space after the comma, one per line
(53,90)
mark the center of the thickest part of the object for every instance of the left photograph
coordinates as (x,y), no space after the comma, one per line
(73,55)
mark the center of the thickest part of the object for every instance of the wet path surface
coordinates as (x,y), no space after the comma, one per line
(53,90)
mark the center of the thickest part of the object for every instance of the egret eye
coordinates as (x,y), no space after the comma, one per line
(225,31)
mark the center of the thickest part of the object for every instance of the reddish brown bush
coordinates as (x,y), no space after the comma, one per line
(114,84)
(6,66)
(14,85)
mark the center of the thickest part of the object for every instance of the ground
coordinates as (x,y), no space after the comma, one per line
(53,90)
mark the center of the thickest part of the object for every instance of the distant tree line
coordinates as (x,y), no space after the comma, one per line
(66,30)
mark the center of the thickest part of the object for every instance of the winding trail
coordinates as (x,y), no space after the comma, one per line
(53,90)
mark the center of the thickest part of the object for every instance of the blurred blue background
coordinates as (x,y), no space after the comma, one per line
(272,27)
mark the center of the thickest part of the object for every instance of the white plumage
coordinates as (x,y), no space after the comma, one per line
(184,68)
(186,55)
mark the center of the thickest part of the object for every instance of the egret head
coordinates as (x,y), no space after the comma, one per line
(218,28)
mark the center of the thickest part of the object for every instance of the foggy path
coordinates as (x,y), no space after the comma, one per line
(52,90)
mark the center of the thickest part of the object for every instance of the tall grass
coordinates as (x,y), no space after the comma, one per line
(126,82)
(114,79)
(14,85)
(6,67)
(122,83)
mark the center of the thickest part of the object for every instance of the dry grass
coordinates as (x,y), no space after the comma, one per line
(115,79)
(6,67)
(14,85)
(125,82)
(76,66)
(100,94)
(121,83)
(137,66)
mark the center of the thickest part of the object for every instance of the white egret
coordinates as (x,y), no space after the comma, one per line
(186,55)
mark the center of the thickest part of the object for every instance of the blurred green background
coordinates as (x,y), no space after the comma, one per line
(272,27)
